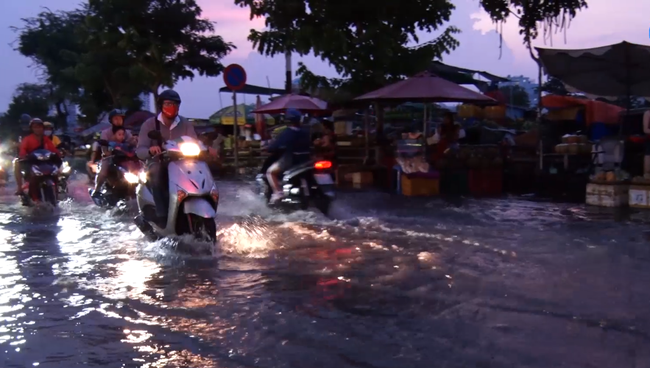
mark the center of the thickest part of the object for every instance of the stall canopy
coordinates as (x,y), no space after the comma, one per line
(305,104)
(250,89)
(425,87)
(226,116)
(464,76)
(610,71)
(595,111)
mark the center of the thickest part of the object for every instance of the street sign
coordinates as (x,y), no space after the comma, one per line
(235,77)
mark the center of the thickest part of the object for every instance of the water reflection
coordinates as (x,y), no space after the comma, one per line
(28,301)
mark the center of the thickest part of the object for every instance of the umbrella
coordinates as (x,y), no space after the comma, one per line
(621,69)
(425,87)
(304,104)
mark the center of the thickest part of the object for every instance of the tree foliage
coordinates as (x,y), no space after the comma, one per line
(367,42)
(34,99)
(533,15)
(104,54)
(516,95)
(166,40)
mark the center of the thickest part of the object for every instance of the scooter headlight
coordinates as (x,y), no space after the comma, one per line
(189,149)
(131,178)
(65,168)
(142,176)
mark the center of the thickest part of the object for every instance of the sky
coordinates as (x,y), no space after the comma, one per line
(604,22)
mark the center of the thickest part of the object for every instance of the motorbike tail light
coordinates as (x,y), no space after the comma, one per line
(214,193)
(181,195)
(322,165)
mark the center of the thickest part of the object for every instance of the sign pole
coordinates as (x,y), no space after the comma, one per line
(234,76)
(235,133)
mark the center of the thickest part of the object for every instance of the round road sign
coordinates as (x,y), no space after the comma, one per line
(235,77)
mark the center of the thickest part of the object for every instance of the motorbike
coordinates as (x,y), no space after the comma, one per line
(193,194)
(303,185)
(64,173)
(120,186)
(42,178)
(64,177)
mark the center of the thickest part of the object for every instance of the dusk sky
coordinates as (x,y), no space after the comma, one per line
(604,22)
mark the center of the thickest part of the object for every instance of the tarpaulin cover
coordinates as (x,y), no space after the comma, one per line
(595,111)
(621,69)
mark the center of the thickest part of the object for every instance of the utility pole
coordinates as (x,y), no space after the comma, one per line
(287,83)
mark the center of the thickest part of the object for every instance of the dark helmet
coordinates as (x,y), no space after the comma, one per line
(293,116)
(25,118)
(114,113)
(168,95)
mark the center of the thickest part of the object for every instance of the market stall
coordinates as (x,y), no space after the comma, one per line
(571,127)
(424,88)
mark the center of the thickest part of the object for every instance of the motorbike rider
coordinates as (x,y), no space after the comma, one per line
(115,118)
(294,146)
(49,132)
(171,126)
(34,141)
(118,137)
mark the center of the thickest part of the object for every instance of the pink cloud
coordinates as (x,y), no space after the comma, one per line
(233,23)
(604,22)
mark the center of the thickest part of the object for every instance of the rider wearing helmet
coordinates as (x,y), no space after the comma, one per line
(36,140)
(171,126)
(293,143)
(49,132)
(116,118)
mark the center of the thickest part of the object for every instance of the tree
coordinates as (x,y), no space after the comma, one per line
(54,42)
(551,16)
(516,95)
(45,39)
(31,99)
(168,40)
(365,41)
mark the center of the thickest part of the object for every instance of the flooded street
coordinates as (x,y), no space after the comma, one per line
(389,283)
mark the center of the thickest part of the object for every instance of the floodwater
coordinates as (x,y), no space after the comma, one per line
(388,283)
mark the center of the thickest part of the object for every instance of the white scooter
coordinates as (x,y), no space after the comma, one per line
(193,195)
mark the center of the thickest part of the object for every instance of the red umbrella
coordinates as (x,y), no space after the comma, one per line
(304,104)
(425,87)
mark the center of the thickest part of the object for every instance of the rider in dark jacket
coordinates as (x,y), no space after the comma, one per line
(294,144)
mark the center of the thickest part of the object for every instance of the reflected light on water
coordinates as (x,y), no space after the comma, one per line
(253,242)
(129,280)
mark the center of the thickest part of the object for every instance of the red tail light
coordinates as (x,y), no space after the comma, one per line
(320,165)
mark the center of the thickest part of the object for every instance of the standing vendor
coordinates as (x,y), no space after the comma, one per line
(448,135)
(646,130)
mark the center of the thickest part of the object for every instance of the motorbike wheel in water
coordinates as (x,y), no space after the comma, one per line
(202,228)
(44,192)
(49,194)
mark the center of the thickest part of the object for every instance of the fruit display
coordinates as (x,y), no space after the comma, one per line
(610,177)
(642,180)
(413,165)
(572,138)
(477,157)
(573,148)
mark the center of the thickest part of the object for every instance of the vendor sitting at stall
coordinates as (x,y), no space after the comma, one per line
(447,135)
(326,144)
